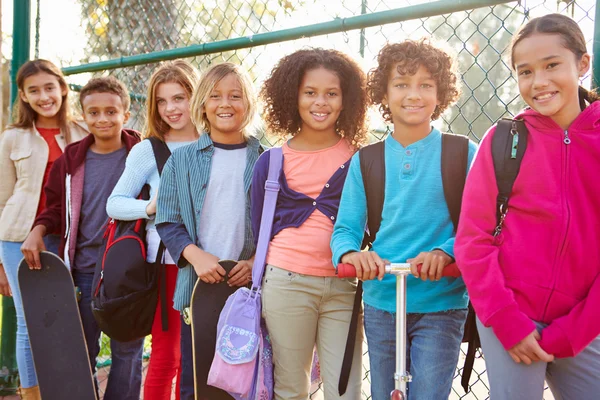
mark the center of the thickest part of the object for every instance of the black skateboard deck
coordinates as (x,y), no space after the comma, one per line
(56,336)
(207,302)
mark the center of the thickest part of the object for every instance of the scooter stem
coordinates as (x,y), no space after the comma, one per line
(402,376)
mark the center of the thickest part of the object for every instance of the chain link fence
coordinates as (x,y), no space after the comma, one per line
(102,30)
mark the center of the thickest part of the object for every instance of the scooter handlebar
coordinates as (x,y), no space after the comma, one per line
(349,271)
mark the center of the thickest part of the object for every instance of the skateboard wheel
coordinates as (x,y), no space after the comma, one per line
(187,318)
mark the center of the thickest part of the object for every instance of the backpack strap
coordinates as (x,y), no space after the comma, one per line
(372,168)
(508,148)
(268,212)
(161,155)
(455,160)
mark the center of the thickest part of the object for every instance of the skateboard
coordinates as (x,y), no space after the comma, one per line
(205,307)
(56,336)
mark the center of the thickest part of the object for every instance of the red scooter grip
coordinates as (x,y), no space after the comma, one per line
(348,270)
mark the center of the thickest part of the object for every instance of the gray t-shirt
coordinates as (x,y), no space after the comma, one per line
(102,172)
(221,226)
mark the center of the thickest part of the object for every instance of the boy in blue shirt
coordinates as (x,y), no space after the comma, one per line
(413,84)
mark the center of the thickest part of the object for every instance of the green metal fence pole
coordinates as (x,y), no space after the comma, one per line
(21,41)
(335,26)
(596,49)
(21,51)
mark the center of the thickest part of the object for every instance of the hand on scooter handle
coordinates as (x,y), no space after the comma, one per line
(349,271)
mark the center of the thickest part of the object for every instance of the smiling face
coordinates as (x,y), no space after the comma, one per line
(173,105)
(319,100)
(411,98)
(548,74)
(44,94)
(226,110)
(104,114)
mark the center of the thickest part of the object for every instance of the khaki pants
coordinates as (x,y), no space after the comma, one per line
(302,310)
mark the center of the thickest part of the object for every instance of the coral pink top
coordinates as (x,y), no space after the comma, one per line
(306,250)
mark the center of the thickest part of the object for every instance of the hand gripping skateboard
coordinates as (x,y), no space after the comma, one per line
(402,377)
(56,336)
(207,302)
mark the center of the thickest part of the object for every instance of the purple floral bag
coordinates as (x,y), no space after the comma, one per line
(243,364)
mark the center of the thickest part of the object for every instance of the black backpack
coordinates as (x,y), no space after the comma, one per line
(125,286)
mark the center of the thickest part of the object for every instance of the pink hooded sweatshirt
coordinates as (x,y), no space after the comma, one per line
(545,265)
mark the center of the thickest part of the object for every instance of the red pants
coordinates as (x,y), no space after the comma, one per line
(165,359)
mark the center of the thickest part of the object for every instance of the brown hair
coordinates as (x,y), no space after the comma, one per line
(178,71)
(23,115)
(571,35)
(280,93)
(210,78)
(106,84)
(410,55)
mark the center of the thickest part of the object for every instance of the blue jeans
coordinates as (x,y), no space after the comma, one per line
(432,346)
(125,378)
(186,382)
(10,254)
(570,378)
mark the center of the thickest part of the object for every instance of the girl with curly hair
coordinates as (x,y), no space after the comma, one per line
(413,83)
(317,99)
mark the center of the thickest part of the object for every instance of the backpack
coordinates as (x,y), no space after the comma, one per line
(455,157)
(125,285)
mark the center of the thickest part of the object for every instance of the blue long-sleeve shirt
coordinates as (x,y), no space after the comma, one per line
(415,218)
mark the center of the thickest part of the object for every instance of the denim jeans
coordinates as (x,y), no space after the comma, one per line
(432,345)
(570,378)
(10,254)
(125,378)
(186,381)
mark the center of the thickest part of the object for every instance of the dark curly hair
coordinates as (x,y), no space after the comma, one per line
(280,93)
(410,55)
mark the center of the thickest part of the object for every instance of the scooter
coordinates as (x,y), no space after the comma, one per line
(401,270)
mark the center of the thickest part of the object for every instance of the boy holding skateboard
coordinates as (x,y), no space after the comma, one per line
(413,84)
(80,182)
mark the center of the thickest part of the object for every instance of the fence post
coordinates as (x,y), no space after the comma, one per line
(21,51)
(596,49)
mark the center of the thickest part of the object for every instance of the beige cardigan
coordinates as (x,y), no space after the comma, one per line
(23,159)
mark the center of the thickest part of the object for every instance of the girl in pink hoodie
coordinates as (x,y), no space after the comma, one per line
(536,285)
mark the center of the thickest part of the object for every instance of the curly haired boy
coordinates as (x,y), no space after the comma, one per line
(413,84)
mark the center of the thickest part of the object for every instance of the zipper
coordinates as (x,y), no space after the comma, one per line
(566,141)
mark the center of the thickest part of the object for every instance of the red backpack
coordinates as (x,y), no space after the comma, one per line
(125,285)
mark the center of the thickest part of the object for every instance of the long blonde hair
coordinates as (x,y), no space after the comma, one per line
(23,115)
(178,71)
(208,81)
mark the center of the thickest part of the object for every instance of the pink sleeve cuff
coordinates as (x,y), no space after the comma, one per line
(510,326)
(555,341)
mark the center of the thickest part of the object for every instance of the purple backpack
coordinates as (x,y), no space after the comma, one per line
(243,362)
